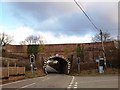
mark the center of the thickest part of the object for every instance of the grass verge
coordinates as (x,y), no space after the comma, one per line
(94,72)
(37,73)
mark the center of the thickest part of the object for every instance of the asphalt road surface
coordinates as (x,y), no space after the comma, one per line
(64,82)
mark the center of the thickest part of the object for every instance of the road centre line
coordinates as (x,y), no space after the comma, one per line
(72,80)
(16,82)
(70,85)
(46,79)
(75,86)
(28,85)
(20,81)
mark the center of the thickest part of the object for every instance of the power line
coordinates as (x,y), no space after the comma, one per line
(85,14)
(101,34)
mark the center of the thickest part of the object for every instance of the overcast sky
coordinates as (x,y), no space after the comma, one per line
(58,22)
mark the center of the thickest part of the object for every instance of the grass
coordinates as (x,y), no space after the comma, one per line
(37,73)
(28,74)
(94,72)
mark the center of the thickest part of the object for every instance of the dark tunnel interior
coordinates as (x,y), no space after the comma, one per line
(59,64)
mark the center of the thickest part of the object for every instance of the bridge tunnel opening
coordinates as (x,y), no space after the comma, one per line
(57,65)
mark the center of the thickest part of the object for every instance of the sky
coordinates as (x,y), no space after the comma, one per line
(58,22)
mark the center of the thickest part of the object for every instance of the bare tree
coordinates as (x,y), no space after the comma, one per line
(35,44)
(5,39)
(32,39)
(106,37)
(22,43)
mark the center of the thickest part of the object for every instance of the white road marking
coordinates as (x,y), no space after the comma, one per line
(20,81)
(28,85)
(72,80)
(70,85)
(25,86)
(16,82)
(46,79)
(75,86)
(76,83)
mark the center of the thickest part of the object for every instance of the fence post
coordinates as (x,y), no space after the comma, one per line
(15,65)
(7,67)
(24,70)
(17,70)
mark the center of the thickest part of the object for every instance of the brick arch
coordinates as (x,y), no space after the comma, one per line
(60,57)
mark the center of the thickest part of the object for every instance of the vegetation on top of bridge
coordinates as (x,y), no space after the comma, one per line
(80,51)
(35,49)
(35,44)
(32,49)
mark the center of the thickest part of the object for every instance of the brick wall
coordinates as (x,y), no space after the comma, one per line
(91,50)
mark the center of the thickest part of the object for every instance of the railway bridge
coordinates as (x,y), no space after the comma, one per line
(57,57)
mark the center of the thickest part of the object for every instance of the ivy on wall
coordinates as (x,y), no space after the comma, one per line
(33,49)
(80,51)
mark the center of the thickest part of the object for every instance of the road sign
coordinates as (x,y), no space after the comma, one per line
(32,58)
(78,60)
(97,60)
(32,61)
(101,64)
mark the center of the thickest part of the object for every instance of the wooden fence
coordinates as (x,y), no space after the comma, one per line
(5,72)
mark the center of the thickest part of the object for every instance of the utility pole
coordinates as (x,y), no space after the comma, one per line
(101,34)
(79,52)
(103,48)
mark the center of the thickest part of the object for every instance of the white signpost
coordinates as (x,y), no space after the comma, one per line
(101,65)
(78,62)
(32,61)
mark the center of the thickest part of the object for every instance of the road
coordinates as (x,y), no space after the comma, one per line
(64,82)
(50,69)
